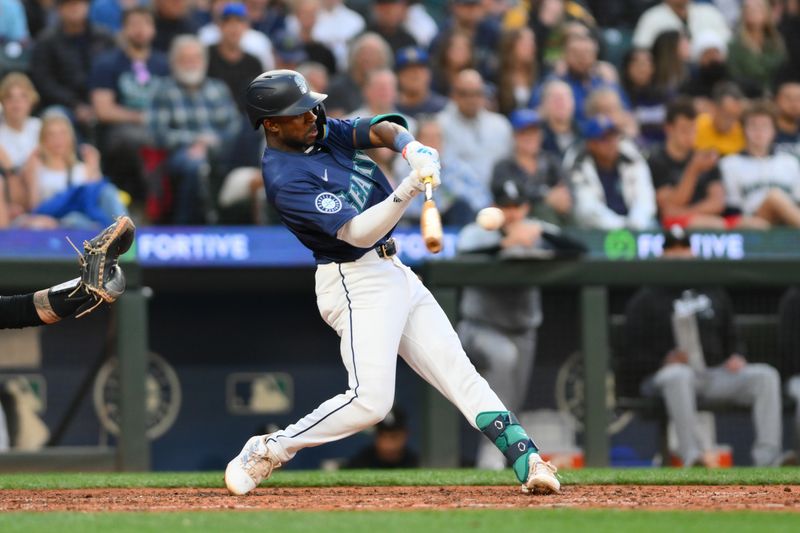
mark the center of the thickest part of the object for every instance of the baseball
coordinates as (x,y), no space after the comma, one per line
(490,218)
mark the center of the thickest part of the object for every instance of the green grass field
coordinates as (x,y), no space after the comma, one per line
(405,521)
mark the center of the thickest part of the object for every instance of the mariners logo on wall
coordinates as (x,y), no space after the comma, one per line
(569,395)
(162,396)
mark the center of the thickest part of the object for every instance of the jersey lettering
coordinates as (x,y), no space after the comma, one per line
(363,164)
(360,189)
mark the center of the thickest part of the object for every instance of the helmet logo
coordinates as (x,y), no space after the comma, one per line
(301,84)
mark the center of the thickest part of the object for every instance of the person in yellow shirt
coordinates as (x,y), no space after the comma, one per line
(721,128)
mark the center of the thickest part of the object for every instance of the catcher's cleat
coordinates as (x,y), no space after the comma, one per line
(253,465)
(541,477)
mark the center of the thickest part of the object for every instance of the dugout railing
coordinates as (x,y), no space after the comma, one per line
(131,452)
(593,279)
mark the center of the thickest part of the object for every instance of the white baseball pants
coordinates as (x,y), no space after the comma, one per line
(381,309)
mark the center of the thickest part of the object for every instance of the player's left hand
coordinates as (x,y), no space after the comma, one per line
(423,159)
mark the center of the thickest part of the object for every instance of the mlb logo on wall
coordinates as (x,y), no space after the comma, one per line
(328,203)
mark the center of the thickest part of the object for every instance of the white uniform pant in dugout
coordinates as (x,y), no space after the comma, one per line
(380,309)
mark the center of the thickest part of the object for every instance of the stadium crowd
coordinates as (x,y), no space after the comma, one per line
(608,114)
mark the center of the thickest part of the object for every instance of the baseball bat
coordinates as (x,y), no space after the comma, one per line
(430,221)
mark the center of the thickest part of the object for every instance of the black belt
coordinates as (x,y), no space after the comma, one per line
(387,249)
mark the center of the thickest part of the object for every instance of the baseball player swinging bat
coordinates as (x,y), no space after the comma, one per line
(430,222)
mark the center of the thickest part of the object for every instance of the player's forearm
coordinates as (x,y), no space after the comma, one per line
(367,228)
(389,135)
(18,312)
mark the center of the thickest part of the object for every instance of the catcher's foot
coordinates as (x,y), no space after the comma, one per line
(541,477)
(253,465)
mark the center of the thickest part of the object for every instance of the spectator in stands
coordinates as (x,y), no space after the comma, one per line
(610,179)
(380,97)
(195,118)
(685,15)
(499,325)
(316,75)
(461,194)
(108,13)
(337,25)
(789,27)
(368,52)
(787,100)
(63,189)
(390,448)
(13,23)
(252,42)
(648,102)
(453,55)
(553,22)
(720,129)
(62,60)
(39,14)
(540,174)
(420,24)
(688,185)
(173,18)
(519,69)
(414,84)
(122,83)
(558,111)
(757,49)
(469,17)
(266,16)
(671,55)
(709,54)
(581,73)
(19,137)
(682,368)
(227,60)
(387,21)
(302,24)
(606,101)
(759,181)
(289,51)
(471,132)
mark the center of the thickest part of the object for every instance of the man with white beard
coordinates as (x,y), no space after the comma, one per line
(195,118)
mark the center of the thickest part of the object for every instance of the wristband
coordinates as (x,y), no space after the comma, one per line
(402,140)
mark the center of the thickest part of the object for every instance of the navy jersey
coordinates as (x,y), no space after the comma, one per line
(318,191)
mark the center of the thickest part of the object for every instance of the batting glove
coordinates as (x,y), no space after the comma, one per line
(423,159)
(413,184)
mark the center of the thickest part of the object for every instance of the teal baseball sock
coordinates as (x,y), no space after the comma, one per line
(503,429)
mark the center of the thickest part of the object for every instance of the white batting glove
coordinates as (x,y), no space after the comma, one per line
(423,159)
(413,184)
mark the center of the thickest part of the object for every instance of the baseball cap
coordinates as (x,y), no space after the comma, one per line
(508,191)
(393,421)
(675,236)
(707,40)
(289,48)
(409,56)
(597,127)
(525,118)
(234,9)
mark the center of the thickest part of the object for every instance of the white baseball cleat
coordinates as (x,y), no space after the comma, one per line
(541,477)
(253,465)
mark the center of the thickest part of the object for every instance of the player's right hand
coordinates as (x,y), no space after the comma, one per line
(412,184)
(423,159)
(417,179)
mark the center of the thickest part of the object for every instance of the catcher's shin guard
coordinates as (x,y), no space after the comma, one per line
(504,430)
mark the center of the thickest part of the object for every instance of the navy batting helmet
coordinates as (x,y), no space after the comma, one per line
(280,93)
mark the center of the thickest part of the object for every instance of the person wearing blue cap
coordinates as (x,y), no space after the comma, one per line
(253,42)
(415,97)
(540,172)
(611,180)
(226,59)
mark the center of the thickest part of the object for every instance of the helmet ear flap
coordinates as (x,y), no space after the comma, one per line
(322,120)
